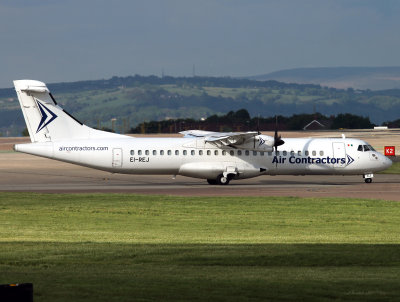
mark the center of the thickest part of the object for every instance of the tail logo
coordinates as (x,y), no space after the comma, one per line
(47,116)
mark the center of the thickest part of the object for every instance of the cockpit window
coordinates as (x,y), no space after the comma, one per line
(365,148)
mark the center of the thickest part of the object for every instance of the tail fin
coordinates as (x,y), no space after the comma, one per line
(45,120)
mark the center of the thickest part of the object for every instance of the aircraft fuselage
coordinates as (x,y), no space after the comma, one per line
(196,158)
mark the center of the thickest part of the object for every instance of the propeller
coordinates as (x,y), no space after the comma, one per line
(277,138)
(258,131)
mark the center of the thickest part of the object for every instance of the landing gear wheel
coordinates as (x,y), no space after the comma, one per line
(212,181)
(368,180)
(222,180)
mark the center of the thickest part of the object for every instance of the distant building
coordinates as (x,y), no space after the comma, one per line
(314,125)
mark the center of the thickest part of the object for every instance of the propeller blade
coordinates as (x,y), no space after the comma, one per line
(258,131)
(277,139)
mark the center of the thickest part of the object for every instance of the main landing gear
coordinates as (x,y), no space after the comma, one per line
(220,180)
(368,177)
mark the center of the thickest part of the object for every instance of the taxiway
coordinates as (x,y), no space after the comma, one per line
(26,173)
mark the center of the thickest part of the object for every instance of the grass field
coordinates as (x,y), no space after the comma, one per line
(149,248)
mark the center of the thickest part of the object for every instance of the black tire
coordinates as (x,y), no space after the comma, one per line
(212,181)
(368,180)
(222,180)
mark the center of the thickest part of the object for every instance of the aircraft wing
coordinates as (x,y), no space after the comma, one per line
(221,138)
(197,133)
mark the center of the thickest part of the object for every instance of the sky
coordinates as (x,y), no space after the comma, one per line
(70,40)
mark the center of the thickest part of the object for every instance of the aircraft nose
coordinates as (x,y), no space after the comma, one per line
(387,162)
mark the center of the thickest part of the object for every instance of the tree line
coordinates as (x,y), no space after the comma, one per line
(241,120)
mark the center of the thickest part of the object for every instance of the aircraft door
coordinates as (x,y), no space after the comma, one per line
(117,158)
(339,151)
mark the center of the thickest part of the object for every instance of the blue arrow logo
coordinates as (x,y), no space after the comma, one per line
(349,159)
(47,116)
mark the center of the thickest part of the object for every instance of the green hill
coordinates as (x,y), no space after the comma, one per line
(135,99)
(374,78)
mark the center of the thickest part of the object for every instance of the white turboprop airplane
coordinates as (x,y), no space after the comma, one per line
(214,156)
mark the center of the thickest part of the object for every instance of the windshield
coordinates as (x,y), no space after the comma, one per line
(365,148)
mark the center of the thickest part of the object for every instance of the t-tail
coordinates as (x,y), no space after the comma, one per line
(45,120)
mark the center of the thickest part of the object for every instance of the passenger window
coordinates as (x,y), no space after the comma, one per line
(139,152)
(255,153)
(169,152)
(184,152)
(216,152)
(154,152)
(239,152)
(247,152)
(292,153)
(269,153)
(321,153)
(360,148)
(161,152)
(176,152)
(147,152)
(314,153)
(200,152)
(223,152)
(299,153)
(132,152)
(231,153)
(208,152)
(192,152)
(284,153)
(307,153)
(277,153)
(262,153)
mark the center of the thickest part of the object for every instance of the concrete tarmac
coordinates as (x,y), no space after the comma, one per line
(26,173)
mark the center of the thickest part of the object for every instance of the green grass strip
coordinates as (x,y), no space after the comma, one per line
(119,247)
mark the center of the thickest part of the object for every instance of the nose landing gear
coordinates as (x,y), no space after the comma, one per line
(368,177)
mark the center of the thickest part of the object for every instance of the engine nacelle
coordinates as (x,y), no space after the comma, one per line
(260,142)
(210,170)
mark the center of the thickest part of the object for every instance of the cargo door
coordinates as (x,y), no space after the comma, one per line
(339,152)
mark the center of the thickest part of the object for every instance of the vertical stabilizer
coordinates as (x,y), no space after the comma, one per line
(45,120)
